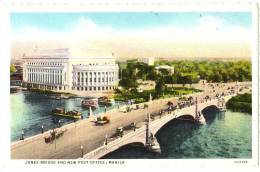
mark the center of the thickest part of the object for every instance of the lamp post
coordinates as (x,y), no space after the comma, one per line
(42,129)
(22,137)
(106,140)
(59,123)
(82,151)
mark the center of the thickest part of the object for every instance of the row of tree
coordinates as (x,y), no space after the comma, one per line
(186,72)
(212,71)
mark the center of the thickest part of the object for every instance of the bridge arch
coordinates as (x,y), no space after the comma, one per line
(209,112)
(187,117)
(132,144)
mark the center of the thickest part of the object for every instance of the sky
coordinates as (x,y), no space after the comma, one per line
(136,34)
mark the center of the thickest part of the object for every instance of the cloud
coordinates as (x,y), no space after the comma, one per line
(211,35)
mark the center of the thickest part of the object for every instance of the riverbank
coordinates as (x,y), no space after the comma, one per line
(49,92)
(241,103)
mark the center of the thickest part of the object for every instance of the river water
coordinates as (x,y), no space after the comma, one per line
(225,135)
(29,111)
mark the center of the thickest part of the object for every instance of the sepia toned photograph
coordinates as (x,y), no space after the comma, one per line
(131,85)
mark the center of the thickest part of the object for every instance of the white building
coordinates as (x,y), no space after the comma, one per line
(70,71)
(149,61)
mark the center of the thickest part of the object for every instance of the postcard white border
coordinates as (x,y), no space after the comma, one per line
(6,9)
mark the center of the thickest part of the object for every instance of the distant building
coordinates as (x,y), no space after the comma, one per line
(148,60)
(166,67)
(70,71)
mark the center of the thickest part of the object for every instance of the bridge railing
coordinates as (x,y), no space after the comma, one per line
(117,142)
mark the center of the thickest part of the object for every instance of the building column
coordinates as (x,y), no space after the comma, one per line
(60,77)
(54,76)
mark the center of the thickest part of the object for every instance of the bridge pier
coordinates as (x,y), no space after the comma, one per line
(199,118)
(151,142)
(153,145)
(221,105)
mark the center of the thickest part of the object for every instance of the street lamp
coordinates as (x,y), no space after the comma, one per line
(59,123)
(42,129)
(82,151)
(22,137)
(106,140)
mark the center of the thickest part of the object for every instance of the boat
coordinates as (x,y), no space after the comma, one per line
(90,102)
(69,114)
(105,101)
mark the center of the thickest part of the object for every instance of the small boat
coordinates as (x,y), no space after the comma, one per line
(105,101)
(90,102)
(70,114)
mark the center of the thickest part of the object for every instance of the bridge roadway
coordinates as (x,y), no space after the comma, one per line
(85,133)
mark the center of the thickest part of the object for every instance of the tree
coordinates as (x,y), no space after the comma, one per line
(160,86)
(128,83)
(12,69)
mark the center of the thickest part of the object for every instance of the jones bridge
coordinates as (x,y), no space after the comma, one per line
(145,135)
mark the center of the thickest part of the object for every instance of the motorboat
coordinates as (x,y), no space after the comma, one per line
(69,114)
(105,101)
(90,102)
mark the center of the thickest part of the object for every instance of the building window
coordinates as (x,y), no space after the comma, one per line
(90,88)
(98,88)
(86,88)
(94,88)
(78,88)
(95,79)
